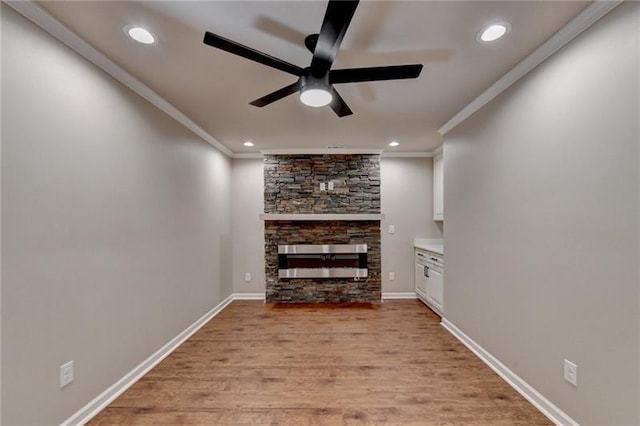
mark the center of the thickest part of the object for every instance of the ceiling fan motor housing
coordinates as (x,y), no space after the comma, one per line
(308,81)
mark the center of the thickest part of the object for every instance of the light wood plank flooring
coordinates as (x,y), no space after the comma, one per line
(257,363)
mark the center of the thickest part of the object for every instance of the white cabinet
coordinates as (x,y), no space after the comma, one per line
(429,279)
(438,187)
(435,288)
(420,278)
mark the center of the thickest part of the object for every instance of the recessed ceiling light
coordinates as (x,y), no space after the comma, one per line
(494,32)
(247,143)
(393,143)
(140,35)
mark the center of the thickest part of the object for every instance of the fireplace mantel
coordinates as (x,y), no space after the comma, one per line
(323,216)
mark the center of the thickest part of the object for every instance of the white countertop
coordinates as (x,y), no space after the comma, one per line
(435,245)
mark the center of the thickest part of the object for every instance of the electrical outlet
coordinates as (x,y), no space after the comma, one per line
(247,276)
(330,186)
(392,276)
(66,374)
(323,186)
(571,372)
(392,229)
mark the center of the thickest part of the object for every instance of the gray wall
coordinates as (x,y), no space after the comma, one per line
(116,227)
(406,200)
(541,202)
(247,199)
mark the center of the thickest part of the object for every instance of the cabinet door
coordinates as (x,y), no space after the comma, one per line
(438,188)
(421,281)
(436,287)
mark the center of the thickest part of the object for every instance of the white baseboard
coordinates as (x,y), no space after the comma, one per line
(261,296)
(411,295)
(100,402)
(545,406)
(248,296)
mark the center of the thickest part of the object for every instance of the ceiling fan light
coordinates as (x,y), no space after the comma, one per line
(315,97)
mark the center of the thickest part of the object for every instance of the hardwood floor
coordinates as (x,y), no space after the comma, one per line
(257,363)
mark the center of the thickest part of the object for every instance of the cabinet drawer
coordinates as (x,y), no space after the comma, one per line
(435,258)
(422,254)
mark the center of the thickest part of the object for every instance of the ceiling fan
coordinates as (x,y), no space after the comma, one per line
(315,82)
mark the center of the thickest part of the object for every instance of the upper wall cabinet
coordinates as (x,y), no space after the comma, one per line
(438,187)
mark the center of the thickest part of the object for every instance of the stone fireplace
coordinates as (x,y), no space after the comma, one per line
(344,216)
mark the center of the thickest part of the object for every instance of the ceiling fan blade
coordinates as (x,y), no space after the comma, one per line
(339,105)
(277,95)
(393,72)
(336,21)
(251,54)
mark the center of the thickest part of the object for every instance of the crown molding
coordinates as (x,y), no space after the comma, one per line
(316,151)
(57,29)
(575,27)
(384,154)
(407,154)
(244,155)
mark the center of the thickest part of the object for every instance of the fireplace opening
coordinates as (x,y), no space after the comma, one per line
(322,261)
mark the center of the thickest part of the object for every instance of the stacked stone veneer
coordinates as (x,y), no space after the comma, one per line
(292,186)
(325,289)
(292,183)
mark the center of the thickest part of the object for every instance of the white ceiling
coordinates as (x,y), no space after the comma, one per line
(214,88)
